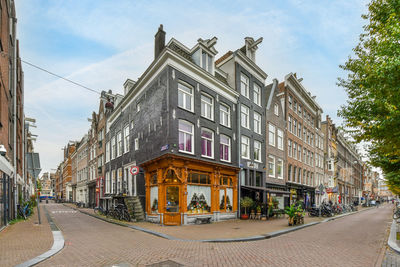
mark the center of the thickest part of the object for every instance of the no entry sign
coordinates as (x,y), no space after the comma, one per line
(134,170)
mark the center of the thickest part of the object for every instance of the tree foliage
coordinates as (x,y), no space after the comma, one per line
(372,112)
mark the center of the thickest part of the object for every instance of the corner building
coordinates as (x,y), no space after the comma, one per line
(177,123)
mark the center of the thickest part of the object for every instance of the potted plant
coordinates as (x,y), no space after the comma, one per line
(291,212)
(275,202)
(246,203)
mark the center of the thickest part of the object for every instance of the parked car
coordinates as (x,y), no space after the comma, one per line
(372,203)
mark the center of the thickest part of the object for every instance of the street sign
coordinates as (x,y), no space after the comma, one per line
(134,170)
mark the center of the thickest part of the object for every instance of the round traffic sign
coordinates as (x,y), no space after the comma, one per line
(134,170)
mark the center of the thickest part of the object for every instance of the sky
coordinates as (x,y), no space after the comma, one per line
(100,43)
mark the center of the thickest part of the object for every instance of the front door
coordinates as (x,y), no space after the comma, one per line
(172,215)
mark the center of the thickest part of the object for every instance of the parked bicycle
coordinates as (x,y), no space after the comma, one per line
(120,212)
(101,211)
(396,213)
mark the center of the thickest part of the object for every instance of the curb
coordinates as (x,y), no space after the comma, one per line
(392,240)
(224,240)
(58,244)
(128,225)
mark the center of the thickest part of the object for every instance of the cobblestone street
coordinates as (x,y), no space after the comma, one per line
(355,240)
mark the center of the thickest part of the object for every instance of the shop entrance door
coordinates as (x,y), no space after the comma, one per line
(172,215)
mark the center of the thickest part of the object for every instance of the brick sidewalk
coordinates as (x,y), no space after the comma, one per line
(25,240)
(219,230)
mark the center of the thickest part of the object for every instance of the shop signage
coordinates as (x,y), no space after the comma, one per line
(252,165)
(134,170)
(166,147)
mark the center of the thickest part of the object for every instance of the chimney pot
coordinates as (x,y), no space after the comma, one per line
(159,41)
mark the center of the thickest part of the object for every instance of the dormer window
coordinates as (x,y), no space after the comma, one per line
(206,61)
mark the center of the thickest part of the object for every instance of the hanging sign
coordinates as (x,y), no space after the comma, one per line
(134,170)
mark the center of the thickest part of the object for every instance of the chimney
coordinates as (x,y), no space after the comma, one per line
(159,41)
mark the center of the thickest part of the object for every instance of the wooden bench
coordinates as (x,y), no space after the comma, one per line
(201,220)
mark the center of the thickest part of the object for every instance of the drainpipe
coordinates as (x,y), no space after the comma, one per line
(238,138)
(13,20)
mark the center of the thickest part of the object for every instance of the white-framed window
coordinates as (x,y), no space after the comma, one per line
(290,123)
(119,180)
(225,148)
(279,168)
(107,151)
(289,148)
(294,150)
(119,144)
(257,150)
(114,181)
(207,143)
(299,130)
(186,139)
(136,144)
(271,134)
(185,97)
(244,111)
(299,152)
(290,100)
(295,106)
(224,115)
(207,106)
(113,148)
(271,166)
(257,122)
(294,126)
(330,165)
(245,147)
(206,61)
(108,185)
(276,109)
(299,109)
(280,139)
(244,85)
(138,107)
(126,138)
(257,94)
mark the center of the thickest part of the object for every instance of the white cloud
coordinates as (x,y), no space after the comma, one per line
(299,36)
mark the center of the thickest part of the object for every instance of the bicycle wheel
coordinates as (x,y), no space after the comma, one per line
(396,214)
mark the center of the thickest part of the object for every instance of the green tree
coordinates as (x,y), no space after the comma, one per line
(372,112)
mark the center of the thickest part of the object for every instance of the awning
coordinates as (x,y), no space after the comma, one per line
(105,197)
(5,166)
(258,188)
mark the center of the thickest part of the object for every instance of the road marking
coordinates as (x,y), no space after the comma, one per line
(64,211)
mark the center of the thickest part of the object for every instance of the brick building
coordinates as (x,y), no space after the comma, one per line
(12,176)
(303,116)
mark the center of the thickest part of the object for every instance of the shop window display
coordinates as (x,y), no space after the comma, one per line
(154,199)
(198,199)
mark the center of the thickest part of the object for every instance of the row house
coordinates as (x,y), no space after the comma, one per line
(13,179)
(92,145)
(276,146)
(349,172)
(178,124)
(82,170)
(248,79)
(330,156)
(303,116)
(66,172)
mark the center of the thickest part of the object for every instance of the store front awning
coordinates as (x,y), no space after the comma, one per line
(5,166)
(254,188)
(258,188)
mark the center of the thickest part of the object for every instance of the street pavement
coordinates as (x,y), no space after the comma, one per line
(355,240)
(25,240)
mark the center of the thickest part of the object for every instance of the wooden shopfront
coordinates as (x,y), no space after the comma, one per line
(179,190)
